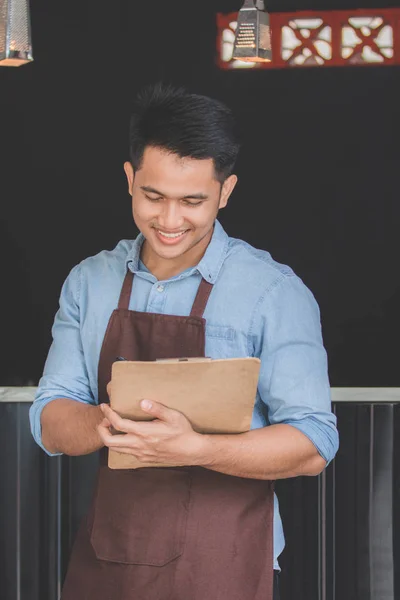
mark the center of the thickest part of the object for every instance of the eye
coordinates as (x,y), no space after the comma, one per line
(153,199)
(188,203)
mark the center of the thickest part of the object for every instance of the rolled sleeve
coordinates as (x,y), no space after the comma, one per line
(65,373)
(294,382)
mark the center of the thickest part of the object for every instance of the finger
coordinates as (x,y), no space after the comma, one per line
(103,429)
(159,411)
(119,423)
(113,440)
(127,426)
(107,431)
(130,451)
(104,426)
(140,458)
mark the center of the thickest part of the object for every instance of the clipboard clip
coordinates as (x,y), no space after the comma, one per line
(172,360)
(184,359)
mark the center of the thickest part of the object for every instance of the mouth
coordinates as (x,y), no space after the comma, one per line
(170,238)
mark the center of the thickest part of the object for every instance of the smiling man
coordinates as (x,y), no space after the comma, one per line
(175,204)
(208,528)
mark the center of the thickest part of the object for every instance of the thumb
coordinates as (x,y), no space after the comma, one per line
(156,410)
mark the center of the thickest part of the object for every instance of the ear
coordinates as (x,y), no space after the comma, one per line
(130,175)
(227,188)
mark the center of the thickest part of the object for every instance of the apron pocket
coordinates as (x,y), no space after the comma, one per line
(140,515)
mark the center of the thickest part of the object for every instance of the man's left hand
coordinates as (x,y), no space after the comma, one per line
(168,439)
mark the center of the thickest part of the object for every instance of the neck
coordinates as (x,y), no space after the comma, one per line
(165,268)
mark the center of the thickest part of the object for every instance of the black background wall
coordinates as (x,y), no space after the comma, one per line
(318,173)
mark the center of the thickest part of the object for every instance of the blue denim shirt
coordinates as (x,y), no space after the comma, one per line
(258,307)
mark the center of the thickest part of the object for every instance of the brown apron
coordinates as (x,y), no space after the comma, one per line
(169,533)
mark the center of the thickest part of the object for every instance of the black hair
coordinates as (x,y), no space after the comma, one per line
(185,124)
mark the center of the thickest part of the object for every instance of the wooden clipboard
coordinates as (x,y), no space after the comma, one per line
(217,396)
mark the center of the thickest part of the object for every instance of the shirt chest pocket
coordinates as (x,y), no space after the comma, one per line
(224,342)
(221,332)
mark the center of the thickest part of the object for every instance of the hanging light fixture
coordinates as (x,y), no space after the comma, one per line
(15,33)
(253,35)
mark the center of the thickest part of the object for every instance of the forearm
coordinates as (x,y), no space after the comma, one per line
(70,427)
(275,452)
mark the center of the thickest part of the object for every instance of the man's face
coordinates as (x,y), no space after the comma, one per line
(175,201)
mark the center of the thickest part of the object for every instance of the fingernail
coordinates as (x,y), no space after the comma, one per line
(146,404)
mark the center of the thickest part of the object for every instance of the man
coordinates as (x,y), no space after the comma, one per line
(208,528)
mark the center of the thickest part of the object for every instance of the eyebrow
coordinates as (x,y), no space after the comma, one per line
(151,190)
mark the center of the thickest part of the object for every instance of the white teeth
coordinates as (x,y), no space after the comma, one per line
(171,235)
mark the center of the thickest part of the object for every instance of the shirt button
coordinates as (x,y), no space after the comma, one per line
(160,288)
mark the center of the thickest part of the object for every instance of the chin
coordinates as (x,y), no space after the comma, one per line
(169,253)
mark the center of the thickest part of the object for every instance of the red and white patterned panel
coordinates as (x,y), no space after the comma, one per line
(306,42)
(320,39)
(367,40)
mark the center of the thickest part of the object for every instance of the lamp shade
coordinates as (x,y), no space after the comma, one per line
(15,33)
(253,36)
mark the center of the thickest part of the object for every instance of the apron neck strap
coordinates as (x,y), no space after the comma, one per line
(199,304)
(126,291)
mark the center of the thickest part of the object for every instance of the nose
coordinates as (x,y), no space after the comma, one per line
(171,217)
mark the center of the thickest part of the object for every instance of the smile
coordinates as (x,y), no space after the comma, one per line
(170,239)
(171,235)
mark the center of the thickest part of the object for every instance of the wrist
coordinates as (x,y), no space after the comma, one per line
(204,451)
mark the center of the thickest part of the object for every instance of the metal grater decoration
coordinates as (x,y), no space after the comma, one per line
(15,33)
(253,35)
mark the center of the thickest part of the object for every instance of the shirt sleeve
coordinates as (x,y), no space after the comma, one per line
(65,374)
(294,382)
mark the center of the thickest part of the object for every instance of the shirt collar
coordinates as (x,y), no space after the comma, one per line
(133,258)
(213,259)
(209,266)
